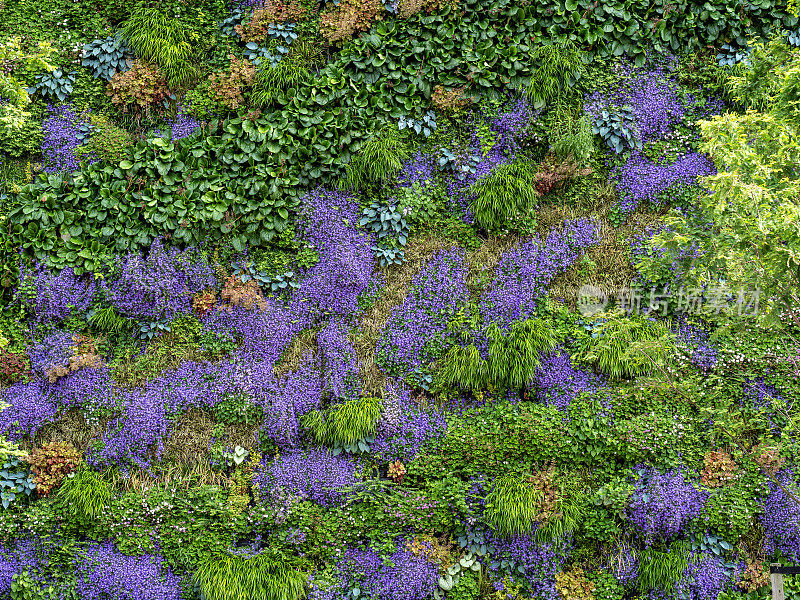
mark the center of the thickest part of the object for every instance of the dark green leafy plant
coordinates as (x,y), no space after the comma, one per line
(504,194)
(15,480)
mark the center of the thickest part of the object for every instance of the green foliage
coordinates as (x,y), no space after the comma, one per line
(267,576)
(25,139)
(606,587)
(344,425)
(12,113)
(54,85)
(617,126)
(84,494)
(467,588)
(559,67)
(511,505)
(660,570)
(161,39)
(15,479)
(511,359)
(770,79)
(380,159)
(108,141)
(23,587)
(628,346)
(234,409)
(571,137)
(291,72)
(505,195)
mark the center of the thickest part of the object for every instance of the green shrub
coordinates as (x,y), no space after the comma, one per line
(380,159)
(84,494)
(511,359)
(505,195)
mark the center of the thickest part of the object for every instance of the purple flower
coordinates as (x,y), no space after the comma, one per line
(102,573)
(159,285)
(64,130)
(52,297)
(663,504)
(781,519)
(311,475)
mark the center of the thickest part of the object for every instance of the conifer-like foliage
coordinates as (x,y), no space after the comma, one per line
(510,361)
(511,505)
(380,158)
(343,424)
(504,194)
(266,576)
(160,39)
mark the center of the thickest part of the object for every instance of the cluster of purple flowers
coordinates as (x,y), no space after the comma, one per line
(703,352)
(103,573)
(64,131)
(404,427)
(53,350)
(558,381)
(312,474)
(417,329)
(182,126)
(781,518)
(51,297)
(328,221)
(541,562)
(339,361)
(523,274)
(640,179)
(705,577)
(663,504)
(16,558)
(159,285)
(401,576)
(287,399)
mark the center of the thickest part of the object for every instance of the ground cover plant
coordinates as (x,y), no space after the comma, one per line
(398,300)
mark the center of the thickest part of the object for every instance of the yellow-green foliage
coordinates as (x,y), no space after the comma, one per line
(511,505)
(344,423)
(85,493)
(504,194)
(573,585)
(628,346)
(261,577)
(511,360)
(159,38)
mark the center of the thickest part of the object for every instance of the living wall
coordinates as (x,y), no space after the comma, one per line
(398,300)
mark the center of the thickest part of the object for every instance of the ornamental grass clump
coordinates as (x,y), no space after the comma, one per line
(265,576)
(511,505)
(504,194)
(345,424)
